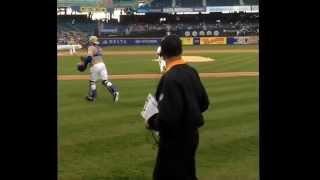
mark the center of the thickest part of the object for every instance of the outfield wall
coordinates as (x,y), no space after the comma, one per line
(185,40)
(243,40)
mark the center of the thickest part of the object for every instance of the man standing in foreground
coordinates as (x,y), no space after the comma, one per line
(180,101)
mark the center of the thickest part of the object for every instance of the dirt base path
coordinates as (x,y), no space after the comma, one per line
(157,76)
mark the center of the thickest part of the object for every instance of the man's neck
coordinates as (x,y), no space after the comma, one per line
(171,59)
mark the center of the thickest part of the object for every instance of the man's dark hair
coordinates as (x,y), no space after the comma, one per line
(171,46)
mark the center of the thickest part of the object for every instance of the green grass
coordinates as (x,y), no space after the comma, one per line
(108,141)
(129,64)
(186,47)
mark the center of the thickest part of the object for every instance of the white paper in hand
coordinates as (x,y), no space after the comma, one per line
(150,108)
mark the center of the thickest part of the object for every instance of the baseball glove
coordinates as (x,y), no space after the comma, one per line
(81,67)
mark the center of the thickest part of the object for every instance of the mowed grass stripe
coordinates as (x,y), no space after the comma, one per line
(233,88)
(235,100)
(102,127)
(136,152)
(220,61)
(218,103)
(224,146)
(144,64)
(136,103)
(223,135)
(102,122)
(230,63)
(241,63)
(222,82)
(75,91)
(138,100)
(111,166)
(112,146)
(212,85)
(107,144)
(236,87)
(220,154)
(227,59)
(217,151)
(218,122)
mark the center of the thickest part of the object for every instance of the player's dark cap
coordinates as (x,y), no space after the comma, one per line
(171,46)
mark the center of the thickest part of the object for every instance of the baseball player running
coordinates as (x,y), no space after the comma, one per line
(98,70)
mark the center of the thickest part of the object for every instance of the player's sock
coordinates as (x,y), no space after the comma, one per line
(110,87)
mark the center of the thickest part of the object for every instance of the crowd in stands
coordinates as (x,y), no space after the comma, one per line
(154,30)
(76,29)
(198,3)
(152,25)
(71,37)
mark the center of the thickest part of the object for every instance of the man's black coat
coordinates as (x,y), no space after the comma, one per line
(182,99)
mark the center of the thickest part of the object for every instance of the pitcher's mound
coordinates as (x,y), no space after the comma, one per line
(197,59)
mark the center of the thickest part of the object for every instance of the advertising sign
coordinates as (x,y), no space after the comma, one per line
(187,40)
(213,40)
(243,40)
(129,41)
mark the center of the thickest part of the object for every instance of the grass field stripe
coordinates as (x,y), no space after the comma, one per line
(239,108)
(151,52)
(214,124)
(216,85)
(114,125)
(139,126)
(157,76)
(230,148)
(209,83)
(218,91)
(236,62)
(227,82)
(108,141)
(229,133)
(231,63)
(146,66)
(234,99)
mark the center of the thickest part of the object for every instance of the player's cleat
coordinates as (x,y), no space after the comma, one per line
(89,98)
(116,97)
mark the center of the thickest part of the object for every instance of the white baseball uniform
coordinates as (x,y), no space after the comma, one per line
(98,70)
(162,62)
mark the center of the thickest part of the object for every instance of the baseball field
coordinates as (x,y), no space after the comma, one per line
(108,141)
